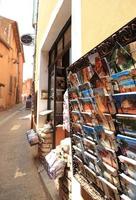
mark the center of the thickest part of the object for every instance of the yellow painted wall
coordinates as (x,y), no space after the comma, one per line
(101,18)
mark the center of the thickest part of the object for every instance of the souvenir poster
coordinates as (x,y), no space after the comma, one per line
(76,128)
(104,102)
(110,190)
(90,161)
(73,79)
(127,146)
(98,65)
(121,59)
(106,120)
(87,104)
(128,166)
(127,124)
(86,90)
(75,104)
(73,93)
(75,116)
(105,138)
(89,132)
(107,155)
(85,74)
(124,81)
(90,175)
(125,102)
(89,119)
(76,140)
(129,186)
(89,146)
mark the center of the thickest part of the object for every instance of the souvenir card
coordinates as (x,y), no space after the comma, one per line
(129,186)
(125,102)
(107,155)
(124,81)
(110,190)
(106,120)
(104,101)
(87,104)
(73,79)
(105,138)
(90,161)
(89,132)
(89,119)
(128,166)
(85,74)
(75,104)
(98,65)
(77,162)
(109,173)
(127,124)
(121,60)
(77,141)
(90,175)
(124,197)
(73,93)
(77,128)
(86,90)
(89,146)
(127,146)
(75,116)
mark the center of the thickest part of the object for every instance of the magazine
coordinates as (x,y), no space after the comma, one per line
(90,161)
(90,175)
(128,166)
(126,124)
(73,93)
(105,138)
(86,90)
(75,104)
(125,102)
(77,141)
(127,146)
(89,132)
(76,128)
(87,104)
(104,102)
(78,165)
(129,186)
(89,146)
(78,152)
(75,116)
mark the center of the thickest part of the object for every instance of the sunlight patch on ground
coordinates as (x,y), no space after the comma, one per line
(18,173)
(15,127)
(26,117)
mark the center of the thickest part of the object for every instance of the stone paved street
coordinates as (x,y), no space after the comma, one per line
(19,179)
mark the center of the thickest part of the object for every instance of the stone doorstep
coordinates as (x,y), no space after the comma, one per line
(48,184)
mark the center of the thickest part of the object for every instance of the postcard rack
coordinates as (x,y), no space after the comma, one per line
(102,98)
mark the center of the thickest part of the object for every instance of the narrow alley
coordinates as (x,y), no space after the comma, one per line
(19,179)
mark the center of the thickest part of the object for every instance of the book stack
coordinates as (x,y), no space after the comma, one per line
(102,97)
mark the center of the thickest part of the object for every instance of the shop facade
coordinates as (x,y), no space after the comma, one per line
(67,30)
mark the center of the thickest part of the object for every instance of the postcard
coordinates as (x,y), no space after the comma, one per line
(78,165)
(78,152)
(110,190)
(125,102)
(89,146)
(75,116)
(124,197)
(105,138)
(126,124)
(90,175)
(77,141)
(121,59)
(106,120)
(74,104)
(87,104)
(73,79)
(124,81)
(89,132)
(76,128)
(89,119)
(98,65)
(128,166)
(127,146)
(129,186)
(104,101)
(85,74)
(86,90)
(107,155)
(73,93)
(90,161)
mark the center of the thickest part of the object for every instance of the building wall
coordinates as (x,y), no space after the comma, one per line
(102,18)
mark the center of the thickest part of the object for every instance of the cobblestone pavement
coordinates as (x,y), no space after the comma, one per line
(19,179)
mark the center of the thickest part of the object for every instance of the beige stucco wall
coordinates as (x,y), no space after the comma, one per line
(101,18)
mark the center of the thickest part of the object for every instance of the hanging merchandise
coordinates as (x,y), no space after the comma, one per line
(102,98)
(32,137)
